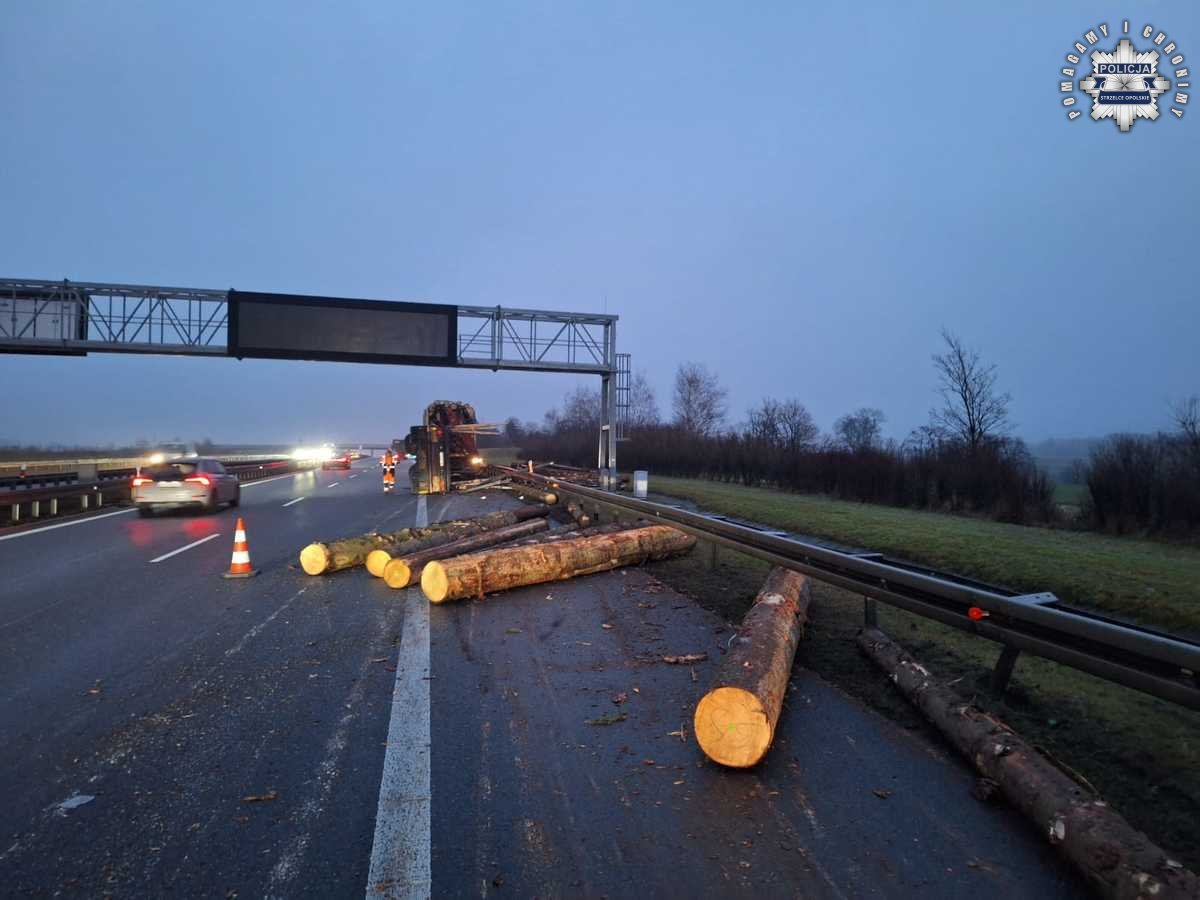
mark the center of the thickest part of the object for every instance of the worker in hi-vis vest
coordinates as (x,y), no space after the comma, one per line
(389,471)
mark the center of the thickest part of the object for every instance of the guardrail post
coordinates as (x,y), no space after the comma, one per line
(99,499)
(35,506)
(16,512)
(83,502)
(1004,669)
(870,613)
(712,555)
(54,506)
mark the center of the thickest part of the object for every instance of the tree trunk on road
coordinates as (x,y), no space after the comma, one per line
(401,571)
(735,721)
(404,570)
(499,570)
(1116,860)
(322,558)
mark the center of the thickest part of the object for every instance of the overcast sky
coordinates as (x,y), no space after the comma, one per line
(799,196)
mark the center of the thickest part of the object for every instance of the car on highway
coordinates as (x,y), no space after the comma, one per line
(337,461)
(198,482)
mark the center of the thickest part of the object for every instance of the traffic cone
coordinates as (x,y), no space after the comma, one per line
(239,566)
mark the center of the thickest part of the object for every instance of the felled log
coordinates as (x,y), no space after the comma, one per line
(1116,860)
(445,532)
(735,720)
(576,512)
(482,573)
(322,558)
(401,571)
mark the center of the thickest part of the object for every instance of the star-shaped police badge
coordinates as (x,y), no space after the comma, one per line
(1124,85)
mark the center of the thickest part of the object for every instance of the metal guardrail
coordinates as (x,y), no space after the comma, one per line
(40,501)
(1156,663)
(25,475)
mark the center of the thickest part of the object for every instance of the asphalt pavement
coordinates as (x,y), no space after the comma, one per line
(165,730)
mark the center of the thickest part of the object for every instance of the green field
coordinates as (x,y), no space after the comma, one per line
(1145,581)
(1070,494)
(1141,753)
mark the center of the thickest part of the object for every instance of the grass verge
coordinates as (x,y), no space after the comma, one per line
(1144,581)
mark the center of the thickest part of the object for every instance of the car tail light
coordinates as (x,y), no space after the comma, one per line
(199,479)
(140,480)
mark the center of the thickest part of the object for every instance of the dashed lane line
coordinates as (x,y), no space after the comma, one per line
(203,540)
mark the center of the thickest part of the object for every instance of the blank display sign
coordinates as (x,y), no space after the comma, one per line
(292,326)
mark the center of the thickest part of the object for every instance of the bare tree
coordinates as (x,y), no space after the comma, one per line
(699,400)
(972,410)
(581,410)
(796,425)
(513,431)
(763,423)
(1186,415)
(643,404)
(861,429)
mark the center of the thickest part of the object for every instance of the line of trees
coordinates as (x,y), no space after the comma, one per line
(1147,483)
(963,460)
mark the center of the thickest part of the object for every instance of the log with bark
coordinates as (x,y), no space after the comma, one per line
(445,532)
(401,571)
(406,569)
(320,558)
(1116,860)
(735,720)
(481,573)
(576,512)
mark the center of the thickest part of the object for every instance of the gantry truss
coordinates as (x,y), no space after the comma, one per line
(75,317)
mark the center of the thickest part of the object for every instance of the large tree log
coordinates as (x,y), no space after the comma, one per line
(446,532)
(401,571)
(499,570)
(735,721)
(405,569)
(1117,860)
(322,558)
(319,558)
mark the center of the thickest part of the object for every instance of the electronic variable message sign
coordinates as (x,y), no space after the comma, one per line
(294,326)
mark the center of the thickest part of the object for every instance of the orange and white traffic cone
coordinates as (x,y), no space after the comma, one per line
(239,566)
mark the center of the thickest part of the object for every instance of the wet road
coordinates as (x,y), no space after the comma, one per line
(169,731)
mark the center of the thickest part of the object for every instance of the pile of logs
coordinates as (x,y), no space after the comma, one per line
(324,558)
(465,558)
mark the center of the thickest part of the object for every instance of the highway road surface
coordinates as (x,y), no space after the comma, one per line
(166,731)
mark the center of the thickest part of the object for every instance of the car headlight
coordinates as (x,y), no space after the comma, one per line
(477,460)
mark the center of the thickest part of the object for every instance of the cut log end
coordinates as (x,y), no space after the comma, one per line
(732,727)
(397,574)
(434,583)
(314,559)
(377,561)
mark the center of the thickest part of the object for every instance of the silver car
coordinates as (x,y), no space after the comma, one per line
(184,482)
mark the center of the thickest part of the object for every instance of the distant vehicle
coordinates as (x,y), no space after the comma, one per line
(173,450)
(338,461)
(197,481)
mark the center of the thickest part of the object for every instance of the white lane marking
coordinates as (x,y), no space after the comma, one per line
(400,865)
(355,475)
(290,502)
(203,540)
(258,481)
(119,512)
(335,484)
(253,632)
